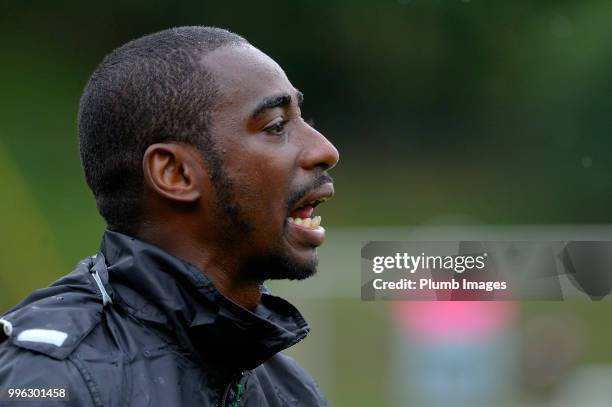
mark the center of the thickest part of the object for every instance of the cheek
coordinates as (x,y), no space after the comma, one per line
(269,193)
(262,170)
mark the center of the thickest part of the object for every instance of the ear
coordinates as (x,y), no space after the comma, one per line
(173,170)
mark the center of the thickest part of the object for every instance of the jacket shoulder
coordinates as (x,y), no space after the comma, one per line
(23,369)
(54,320)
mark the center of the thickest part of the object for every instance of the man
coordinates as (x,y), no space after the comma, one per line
(194,147)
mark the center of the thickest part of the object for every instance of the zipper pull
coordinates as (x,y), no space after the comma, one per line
(238,394)
(239,390)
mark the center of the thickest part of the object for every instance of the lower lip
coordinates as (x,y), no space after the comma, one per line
(307,236)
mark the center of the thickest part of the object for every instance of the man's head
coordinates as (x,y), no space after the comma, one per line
(198,133)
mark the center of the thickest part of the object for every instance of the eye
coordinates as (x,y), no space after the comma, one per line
(277,129)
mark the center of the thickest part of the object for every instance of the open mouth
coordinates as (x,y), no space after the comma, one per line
(303,215)
(304,229)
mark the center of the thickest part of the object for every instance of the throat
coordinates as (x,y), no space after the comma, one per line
(246,293)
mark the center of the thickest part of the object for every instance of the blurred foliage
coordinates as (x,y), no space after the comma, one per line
(493,111)
(27,252)
(443,110)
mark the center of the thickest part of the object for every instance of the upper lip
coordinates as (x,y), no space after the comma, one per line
(315,197)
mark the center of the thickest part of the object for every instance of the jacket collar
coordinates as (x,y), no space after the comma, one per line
(177,298)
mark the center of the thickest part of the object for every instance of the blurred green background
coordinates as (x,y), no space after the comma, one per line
(444,112)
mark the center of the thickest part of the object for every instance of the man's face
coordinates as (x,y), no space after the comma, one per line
(274,165)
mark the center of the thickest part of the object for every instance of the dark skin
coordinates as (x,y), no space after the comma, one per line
(268,152)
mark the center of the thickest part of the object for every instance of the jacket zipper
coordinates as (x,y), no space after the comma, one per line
(237,393)
(239,389)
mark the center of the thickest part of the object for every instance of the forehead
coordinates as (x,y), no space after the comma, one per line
(245,76)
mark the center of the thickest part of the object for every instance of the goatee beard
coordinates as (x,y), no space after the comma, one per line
(279,267)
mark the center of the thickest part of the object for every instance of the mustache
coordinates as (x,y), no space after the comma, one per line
(295,196)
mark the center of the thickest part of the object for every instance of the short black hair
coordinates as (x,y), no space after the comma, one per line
(153,89)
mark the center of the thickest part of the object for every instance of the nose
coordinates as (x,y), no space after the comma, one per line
(318,151)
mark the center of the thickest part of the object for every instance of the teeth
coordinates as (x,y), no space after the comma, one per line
(306,222)
(316,221)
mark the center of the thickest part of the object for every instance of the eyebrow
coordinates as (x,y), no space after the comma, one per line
(282,100)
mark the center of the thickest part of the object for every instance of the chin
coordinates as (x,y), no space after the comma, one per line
(278,266)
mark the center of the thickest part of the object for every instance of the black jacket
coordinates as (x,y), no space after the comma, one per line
(135,326)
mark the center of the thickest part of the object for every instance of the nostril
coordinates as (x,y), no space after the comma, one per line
(318,152)
(328,156)
(323,166)
(332,157)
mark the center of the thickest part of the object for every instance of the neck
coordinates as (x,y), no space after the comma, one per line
(221,267)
